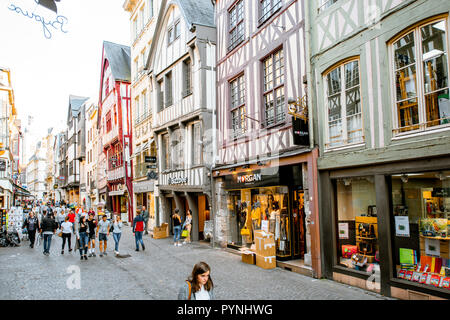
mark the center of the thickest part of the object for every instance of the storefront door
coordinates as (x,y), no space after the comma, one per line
(298,224)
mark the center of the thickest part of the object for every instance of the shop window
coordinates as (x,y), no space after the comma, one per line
(344,105)
(357,224)
(421,210)
(260,209)
(420,78)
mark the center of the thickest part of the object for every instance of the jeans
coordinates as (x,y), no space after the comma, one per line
(84,240)
(32,236)
(176,233)
(47,242)
(138,238)
(116,237)
(67,236)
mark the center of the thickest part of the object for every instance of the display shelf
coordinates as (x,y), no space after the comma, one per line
(436,238)
(366,238)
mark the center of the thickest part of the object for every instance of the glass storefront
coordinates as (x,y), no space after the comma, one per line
(357,224)
(269,209)
(421,212)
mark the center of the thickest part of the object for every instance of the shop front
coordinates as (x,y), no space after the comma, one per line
(386,228)
(119,200)
(144,195)
(270,199)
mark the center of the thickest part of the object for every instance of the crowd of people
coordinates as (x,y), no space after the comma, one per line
(44,222)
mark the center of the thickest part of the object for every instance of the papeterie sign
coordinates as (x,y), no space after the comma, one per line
(49,23)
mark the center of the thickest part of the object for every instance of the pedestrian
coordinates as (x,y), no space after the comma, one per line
(199,285)
(103,233)
(72,218)
(82,236)
(92,226)
(60,217)
(47,229)
(138,229)
(176,228)
(32,224)
(66,229)
(117,232)
(187,225)
(145,216)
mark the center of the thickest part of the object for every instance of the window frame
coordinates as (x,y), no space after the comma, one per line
(275,6)
(240,79)
(274,89)
(187,77)
(422,125)
(341,65)
(231,29)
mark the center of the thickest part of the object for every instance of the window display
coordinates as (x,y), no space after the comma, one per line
(421,207)
(252,210)
(357,224)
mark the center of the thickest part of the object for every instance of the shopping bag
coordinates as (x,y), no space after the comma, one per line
(185,233)
(245,231)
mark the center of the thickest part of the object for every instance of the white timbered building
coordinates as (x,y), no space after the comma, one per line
(262,173)
(181,67)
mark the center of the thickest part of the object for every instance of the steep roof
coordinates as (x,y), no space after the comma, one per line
(199,12)
(119,58)
(75,103)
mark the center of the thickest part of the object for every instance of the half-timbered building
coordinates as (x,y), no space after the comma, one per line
(181,67)
(265,167)
(114,114)
(382,108)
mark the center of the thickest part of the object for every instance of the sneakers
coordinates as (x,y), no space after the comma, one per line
(105,253)
(143,248)
(94,255)
(101,254)
(137,249)
(85,258)
(175,244)
(81,258)
(90,255)
(70,250)
(62,252)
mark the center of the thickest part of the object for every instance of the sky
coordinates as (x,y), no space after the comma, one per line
(48,66)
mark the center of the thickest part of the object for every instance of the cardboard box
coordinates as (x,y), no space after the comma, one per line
(266,262)
(265,247)
(248,257)
(264,235)
(161,232)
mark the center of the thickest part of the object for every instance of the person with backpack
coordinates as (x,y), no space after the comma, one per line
(47,229)
(138,229)
(199,285)
(32,225)
(117,232)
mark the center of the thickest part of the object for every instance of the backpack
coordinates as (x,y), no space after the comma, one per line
(190,289)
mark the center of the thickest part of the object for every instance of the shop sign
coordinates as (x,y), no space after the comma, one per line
(180,180)
(152,175)
(2,165)
(249,178)
(55,186)
(441,192)
(300,131)
(149,159)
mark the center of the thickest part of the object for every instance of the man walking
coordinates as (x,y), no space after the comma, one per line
(92,226)
(138,229)
(145,216)
(32,224)
(48,229)
(103,233)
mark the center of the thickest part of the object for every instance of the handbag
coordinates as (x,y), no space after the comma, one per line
(245,231)
(60,234)
(185,233)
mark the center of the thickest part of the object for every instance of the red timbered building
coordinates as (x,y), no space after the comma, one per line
(115,127)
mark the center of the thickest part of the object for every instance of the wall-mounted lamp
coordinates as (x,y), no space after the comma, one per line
(404,178)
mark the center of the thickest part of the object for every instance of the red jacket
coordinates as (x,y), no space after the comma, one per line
(71,217)
(138,223)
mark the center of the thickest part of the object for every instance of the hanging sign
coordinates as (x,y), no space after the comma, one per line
(49,23)
(300,131)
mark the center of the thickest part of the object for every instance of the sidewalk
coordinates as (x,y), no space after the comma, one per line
(156,273)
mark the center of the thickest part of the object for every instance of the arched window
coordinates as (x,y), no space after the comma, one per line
(419,73)
(344,108)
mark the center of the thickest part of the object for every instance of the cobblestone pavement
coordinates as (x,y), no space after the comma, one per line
(153,274)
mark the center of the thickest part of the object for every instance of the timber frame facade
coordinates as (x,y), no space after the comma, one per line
(261,69)
(385,136)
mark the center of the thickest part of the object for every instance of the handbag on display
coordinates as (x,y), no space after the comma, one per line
(366,230)
(245,231)
(365,248)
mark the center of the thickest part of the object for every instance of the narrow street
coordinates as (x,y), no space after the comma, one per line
(153,274)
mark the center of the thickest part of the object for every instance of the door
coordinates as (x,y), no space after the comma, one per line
(298,224)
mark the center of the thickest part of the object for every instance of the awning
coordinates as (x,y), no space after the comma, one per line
(21,191)
(116,193)
(142,148)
